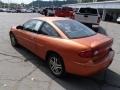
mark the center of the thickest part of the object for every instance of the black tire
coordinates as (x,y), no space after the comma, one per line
(56,67)
(14,42)
(118,22)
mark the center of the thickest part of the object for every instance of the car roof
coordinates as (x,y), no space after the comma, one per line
(51,19)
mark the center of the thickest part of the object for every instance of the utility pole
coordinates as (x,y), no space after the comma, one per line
(3,6)
(32,3)
(38,3)
(8,4)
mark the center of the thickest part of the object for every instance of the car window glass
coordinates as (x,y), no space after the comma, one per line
(33,25)
(88,11)
(38,25)
(74,29)
(30,25)
(48,30)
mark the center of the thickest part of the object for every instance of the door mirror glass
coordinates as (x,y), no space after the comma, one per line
(20,27)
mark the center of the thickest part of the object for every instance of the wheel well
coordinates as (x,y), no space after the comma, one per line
(53,52)
(11,33)
(49,53)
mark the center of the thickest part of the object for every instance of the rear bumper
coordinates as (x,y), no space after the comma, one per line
(88,69)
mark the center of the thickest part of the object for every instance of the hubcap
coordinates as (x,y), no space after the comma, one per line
(55,65)
(13,40)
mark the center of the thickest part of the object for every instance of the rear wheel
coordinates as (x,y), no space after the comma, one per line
(56,65)
(13,40)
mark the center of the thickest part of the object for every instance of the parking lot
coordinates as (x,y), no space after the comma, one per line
(21,70)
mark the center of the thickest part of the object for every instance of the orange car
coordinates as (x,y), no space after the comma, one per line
(66,45)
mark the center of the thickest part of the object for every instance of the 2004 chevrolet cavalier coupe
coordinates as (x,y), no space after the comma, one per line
(66,45)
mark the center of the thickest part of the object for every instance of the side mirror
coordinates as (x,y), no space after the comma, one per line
(20,27)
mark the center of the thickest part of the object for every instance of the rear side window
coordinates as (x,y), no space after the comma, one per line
(38,25)
(48,30)
(88,11)
(30,24)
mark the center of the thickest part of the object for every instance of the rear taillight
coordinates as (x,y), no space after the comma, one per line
(86,54)
(98,21)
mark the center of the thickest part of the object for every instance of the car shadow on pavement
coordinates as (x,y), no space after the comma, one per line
(107,80)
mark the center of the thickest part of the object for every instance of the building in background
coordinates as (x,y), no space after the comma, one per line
(109,10)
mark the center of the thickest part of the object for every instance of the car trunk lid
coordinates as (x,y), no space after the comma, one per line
(100,45)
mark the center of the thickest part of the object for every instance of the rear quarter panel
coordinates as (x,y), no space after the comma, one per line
(64,47)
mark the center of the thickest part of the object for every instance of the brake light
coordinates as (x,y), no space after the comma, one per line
(98,21)
(86,54)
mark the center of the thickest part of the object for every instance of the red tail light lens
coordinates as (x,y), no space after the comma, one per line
(86,54)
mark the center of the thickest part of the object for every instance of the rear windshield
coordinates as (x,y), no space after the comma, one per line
(88,11)
(73,29)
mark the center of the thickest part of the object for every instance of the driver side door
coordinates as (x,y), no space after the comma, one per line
(28,34)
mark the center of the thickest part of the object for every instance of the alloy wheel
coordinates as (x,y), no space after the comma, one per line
(55,65)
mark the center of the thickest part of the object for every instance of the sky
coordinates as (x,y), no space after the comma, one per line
(20,1)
